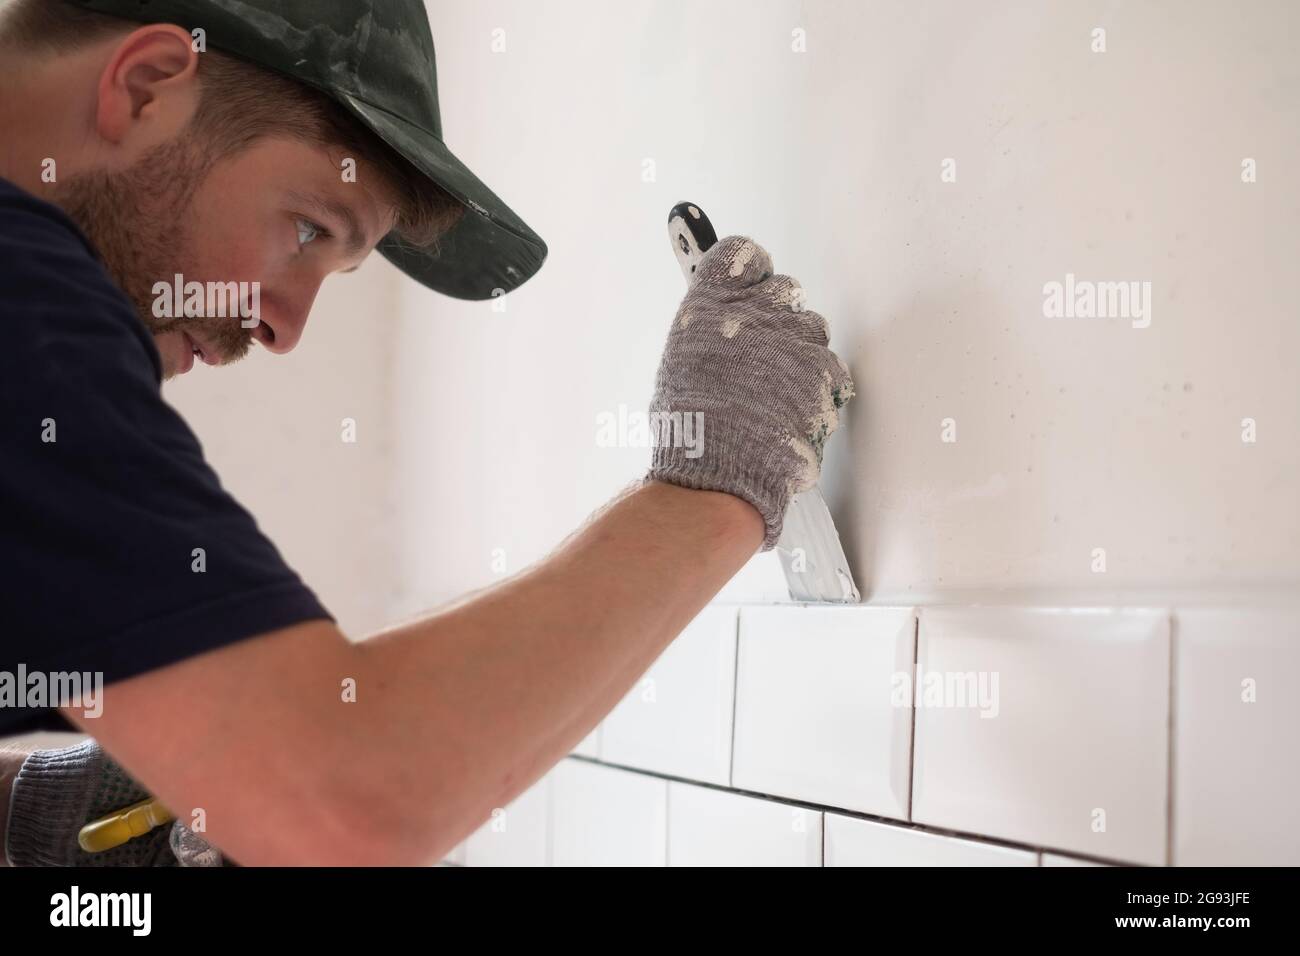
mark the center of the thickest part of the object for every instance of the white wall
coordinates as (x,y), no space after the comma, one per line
(270,426)
(1122,165)
(1073,434)
(478,428)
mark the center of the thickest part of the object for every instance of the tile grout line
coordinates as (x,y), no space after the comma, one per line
(911,742)
(967,835)
(549,852)
(668,815)
(735,700)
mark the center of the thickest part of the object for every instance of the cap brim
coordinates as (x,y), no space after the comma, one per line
(490,252)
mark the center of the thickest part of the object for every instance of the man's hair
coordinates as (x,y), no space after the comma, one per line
(241,102)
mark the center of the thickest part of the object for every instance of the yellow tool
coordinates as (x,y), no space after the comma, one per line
(122,825)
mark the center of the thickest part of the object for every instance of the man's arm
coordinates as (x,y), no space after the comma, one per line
(455,714)
(459,713)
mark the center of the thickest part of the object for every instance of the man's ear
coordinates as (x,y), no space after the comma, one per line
(148,89)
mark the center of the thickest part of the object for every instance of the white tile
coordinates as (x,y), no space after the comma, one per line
(1055,859)
(1071,747)
(854,842)
(457,855)
(715,828)
(815,716)
(603,816)
(677,719)
(589,746)
(1236,762)
(760,581)
(517,834)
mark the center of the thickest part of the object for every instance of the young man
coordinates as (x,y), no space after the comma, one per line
(262,151)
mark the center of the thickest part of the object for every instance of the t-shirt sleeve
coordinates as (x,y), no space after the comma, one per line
(121,551)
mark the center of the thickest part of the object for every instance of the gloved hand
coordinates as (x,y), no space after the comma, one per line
(752,363)
(57,792)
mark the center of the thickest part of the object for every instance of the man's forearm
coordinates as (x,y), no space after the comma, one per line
(454,714)
(496,689)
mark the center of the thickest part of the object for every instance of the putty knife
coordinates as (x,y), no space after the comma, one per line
(809,547)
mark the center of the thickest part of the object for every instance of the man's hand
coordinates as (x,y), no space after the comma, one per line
(751,367)
(57,792)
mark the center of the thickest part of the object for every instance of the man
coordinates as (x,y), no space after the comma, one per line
(259,147)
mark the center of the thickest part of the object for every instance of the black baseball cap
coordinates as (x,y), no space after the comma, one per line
(374,57)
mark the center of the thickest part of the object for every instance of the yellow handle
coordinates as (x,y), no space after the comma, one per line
(122,825)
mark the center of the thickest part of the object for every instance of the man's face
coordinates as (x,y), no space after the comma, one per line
(278,214)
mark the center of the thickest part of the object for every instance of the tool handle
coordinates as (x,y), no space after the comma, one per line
(691,234)
(125,824)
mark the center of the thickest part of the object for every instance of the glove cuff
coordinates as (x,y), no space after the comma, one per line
(57,792)
(47,804)
(733,475)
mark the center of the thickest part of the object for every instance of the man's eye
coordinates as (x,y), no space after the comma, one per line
(308,230)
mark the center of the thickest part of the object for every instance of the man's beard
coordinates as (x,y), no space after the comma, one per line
(139,221)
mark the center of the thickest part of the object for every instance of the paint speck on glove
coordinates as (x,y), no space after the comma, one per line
(750,363)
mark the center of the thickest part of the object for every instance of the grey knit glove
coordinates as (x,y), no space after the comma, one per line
(747,391)
(57,792)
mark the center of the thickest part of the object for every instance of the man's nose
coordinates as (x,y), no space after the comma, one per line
(282,324)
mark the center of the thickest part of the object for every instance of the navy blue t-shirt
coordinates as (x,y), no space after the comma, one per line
(105,497)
